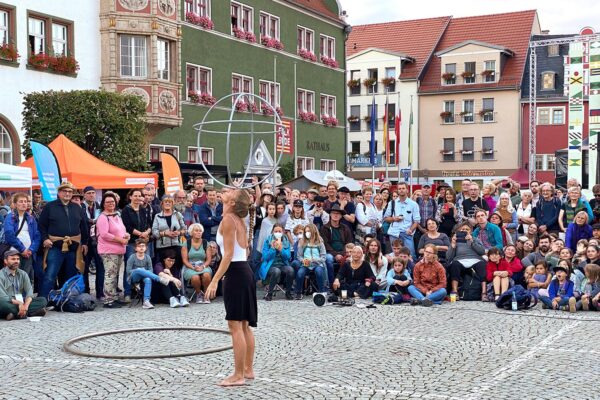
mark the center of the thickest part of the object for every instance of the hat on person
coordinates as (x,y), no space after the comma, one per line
(320,199)
(561,268)
(266,192)
(427,185)
(312,190)
(78,194)
(344,189)
(336,208)
(66,185)
(298,203)
(523,239)
(88,189)
(11,252)
(596,227)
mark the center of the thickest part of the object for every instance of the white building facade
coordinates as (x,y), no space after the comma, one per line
(378,73)
(49,36)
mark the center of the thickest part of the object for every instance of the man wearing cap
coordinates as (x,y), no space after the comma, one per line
(404,219)
(596,231)
(63,229)
(335,237)
(16,293)
(345,202)
(317,215)
(91,210)
(310,199)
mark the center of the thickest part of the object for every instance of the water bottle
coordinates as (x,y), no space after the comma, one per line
(514,302)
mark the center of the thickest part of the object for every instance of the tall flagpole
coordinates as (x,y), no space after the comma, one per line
(372,149)
(397,129)
(410,120)
(386,133)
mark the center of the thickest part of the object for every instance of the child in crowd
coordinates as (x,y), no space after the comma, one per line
(539,281)
(554,254)
(398,279)
(579,256)
(560,290)
(588,287)
(499,272)
(527,275)
(397,244)
(347,251)
(139,268)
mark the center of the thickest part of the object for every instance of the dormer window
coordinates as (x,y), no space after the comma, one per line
(489,71)
(469,72)
(449,75)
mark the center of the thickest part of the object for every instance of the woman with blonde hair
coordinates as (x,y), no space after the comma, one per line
(429,279)
(196,262)
(311,255)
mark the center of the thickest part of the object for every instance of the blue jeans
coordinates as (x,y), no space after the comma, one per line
(140,274)
(548,301)
(329,261)
(57,261)
(320,276)
(437,297)
(408,243)
(129,250)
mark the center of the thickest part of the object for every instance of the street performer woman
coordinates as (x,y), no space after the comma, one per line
(239,287)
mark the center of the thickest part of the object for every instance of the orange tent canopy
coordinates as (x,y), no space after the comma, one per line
(83,169)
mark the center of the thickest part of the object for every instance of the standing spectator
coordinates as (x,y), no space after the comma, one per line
(167,229)
(404,220)
(150,210)
(547,210)
(429,280)
(112,242)
(183,205)
(525,212)
(489,234)
(296,218)
(92,211)
(595,204)
(210,214)
(63,229)
(534,186)
(316,215)
(508,214)
(310,199)
(346,204)
(332,189)
(21,233)
(489,191)
(448,213)
(201,199)
(473,203)
(427,209)
(432,236)
(366,214)
(335,236)
(464,194)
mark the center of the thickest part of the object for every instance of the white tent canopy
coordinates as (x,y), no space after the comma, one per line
(12,177)
(322,178)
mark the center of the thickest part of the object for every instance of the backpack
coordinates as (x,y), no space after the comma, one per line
(80,303)
(385,227)
(523,298)
(387,298)
(72,288)
(470,289)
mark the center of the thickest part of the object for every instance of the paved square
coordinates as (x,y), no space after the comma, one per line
(456,351)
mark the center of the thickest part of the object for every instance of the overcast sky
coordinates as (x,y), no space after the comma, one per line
(559,16)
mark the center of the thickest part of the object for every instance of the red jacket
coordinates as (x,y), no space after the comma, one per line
(502,266)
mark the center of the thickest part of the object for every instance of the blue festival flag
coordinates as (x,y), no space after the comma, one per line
(47,169)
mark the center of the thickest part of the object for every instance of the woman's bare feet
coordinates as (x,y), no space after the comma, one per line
(232,381)
(249,374)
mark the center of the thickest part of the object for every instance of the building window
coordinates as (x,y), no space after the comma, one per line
(373,74)
(205,154)
(487,148)
(328,165)
(156,149)
(369,110)
(269,91)
(37,35)
(48,35)
(449,74)
(390,72)
(6,146)
(548,80)
(242,84)
(355,147)
(4,27)
(487,111)
(199,79)
(391,112)
(545,162)
(393,152)
(354,118)
(306,39)
(304,164)
(490,71)
(469,73)
(269,25)
(553,51)
(355,76)
(198,7)
(133,56)
(59,39)
(306,101)
(448,150)
(467,111)
(327,47)
(163,50)
(448,111)
(468,150)
(242,17)
(550,115)
(328,105)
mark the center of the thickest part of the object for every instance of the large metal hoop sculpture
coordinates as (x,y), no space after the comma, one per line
(240,99)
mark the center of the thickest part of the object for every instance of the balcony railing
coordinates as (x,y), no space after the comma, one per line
(469,118)
(468,155)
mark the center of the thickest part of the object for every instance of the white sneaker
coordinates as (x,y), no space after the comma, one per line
(184,301)
(164,280)
(200,298)
(147,305)
(174,303)
(206,300)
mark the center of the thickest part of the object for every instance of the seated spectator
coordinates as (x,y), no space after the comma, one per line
(397,244)
(139,268)
(336,236)
(316,215)
(432,236)
(378,263)
(310,257)
(560,291)
(553,255)
(540,254)
(398,279)
(592,256)
(510,255)
(496,219)
(16,292)
(596,227)
(171,293)
(488,234)
(577,230)
(499,272)
(507,214)
(277,258)
(590,288)
(579,254)
(196,262)
(429,280)
(448,214)
(466,256)
(533,233)
(355,276)
(296,218)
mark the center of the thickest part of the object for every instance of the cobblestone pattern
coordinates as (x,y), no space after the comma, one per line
(456,351)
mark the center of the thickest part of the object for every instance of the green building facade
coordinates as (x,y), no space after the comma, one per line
(290,52)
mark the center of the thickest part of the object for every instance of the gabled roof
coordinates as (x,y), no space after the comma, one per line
(509,30)
(477,43)
(393,53)
(317,6)
(415,38)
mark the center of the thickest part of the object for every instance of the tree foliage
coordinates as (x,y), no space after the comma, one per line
(107,125)
(286,171)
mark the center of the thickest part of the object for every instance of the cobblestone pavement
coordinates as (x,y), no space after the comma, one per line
(455,351)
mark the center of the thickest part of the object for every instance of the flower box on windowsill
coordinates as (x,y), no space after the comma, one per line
(268,111)
(271,42)
(8,52)
(388,81)
(466,152)
(242,35)
(488,72)
(467,74)
(445,114)
(465,113)
(62,65)
(329,121)
(369,82)
(448,76)
(329,62)
(487,151)
(484,112)
(307,55)
(353,118)
(446,152)
(307,116)
(201,98)
(8,63)
(353,83)
(203,22)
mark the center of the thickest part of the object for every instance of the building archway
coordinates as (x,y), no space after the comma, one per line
(10,145)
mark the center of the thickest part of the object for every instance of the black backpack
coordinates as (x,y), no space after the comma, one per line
(525,299)
(470,289)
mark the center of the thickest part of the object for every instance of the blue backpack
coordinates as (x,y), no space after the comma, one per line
(524,298)
(72,288)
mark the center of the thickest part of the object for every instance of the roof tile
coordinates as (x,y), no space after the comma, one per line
(318,6)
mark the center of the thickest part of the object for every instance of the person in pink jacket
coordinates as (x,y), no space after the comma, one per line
(112,241)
